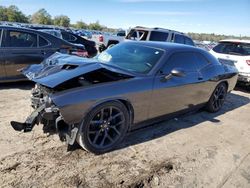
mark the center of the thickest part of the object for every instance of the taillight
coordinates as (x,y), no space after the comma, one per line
(100,38)
(81,53)
(248,62)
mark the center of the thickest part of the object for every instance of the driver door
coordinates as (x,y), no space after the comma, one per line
(176,93)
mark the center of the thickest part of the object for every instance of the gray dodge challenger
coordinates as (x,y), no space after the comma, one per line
(95,102)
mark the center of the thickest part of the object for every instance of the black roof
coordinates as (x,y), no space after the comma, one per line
(25,29)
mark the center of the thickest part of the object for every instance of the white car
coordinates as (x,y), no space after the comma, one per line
(235,52)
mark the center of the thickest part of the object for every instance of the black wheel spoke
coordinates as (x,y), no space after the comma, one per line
(115,116)
(98,122)
(92,132)
(115,129)
(97,136)
(104,138)
(108,136)
(102,114)
(119,123)
(110,111)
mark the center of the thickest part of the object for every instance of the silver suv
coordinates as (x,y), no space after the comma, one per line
(158,34)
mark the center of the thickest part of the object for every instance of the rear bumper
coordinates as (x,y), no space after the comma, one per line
(244,77)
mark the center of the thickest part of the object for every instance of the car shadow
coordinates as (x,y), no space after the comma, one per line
(24,85)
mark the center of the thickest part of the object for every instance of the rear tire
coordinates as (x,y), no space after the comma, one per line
(217,98)
(104,127)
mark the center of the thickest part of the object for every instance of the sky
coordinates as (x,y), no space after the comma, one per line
(229,17)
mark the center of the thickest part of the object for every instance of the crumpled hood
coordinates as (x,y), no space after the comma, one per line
(59,68)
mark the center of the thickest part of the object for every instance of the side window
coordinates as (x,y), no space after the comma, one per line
(73,38)
(20,39)
(188,41)
(68,37)
(183,60)
(179,39)
(43,42)
(201,61)
(158,36)
(143,35)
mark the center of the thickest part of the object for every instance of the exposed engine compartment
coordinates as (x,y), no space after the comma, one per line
(94,77)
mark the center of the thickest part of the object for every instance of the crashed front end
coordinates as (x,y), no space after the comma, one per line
(57,75)
(48,114)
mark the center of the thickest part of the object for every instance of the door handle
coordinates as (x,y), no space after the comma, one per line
(200,78)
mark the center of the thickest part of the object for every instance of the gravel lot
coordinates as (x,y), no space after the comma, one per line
(196,150)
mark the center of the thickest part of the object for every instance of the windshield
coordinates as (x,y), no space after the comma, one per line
(234,48)
(132,57)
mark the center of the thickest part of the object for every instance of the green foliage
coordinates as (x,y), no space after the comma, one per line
(95,26)
(12,14)
(212,37)
(81,25)
(62,20)
(41,17)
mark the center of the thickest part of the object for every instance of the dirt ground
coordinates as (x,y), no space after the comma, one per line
(196,150)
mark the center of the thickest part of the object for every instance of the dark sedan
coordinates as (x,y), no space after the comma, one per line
(72,38)
(97,102)
(20,47)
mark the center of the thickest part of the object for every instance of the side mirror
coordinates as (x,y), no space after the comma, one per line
(177,72)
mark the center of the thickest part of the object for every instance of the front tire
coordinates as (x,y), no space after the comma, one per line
(104,127)
(217,99)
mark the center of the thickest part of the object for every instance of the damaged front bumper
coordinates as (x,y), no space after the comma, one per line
(47,114)
(39,115)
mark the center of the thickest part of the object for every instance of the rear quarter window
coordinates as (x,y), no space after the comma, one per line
(201,61)
(43,42)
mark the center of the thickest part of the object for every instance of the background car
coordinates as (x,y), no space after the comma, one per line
(107,40)
(95,103)
(159,34)
(84,33)
(236,53)
(73,38)
(21,47)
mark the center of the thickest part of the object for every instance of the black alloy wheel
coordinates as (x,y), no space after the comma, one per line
(217,99)
(104,127)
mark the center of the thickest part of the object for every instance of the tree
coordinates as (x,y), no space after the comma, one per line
(3,14)
(81,25)
(41,17)
(12,14)
(95,26)
(62,20)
